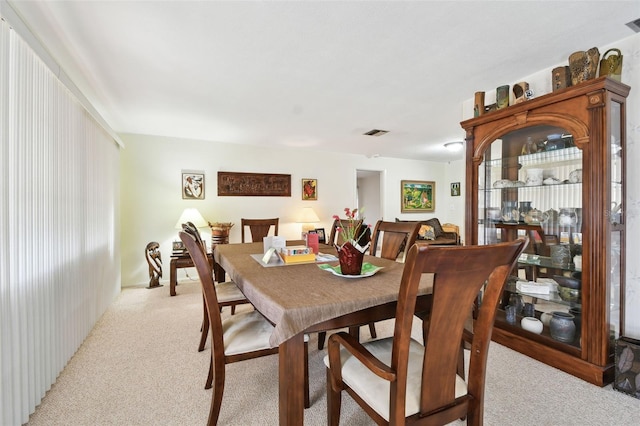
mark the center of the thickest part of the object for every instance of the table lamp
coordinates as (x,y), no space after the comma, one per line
(191,215)
(188,215)
(308,218)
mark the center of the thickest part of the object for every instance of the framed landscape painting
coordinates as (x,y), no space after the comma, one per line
(418,196)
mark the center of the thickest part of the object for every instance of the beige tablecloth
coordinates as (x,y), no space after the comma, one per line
(295,297)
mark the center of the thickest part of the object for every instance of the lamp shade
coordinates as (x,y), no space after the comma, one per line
(191,215)
(308,216)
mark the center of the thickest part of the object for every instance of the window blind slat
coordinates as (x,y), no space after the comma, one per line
(59,186)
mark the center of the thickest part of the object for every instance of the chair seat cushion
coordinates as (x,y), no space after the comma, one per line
(228,291)
(246,332)
(374,390)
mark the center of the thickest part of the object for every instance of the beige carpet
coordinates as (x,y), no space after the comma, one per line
(140,366)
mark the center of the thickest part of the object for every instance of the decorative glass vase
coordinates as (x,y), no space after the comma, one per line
(509,212)
(350,259)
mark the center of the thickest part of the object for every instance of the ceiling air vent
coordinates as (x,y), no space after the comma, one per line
(634,25)
(376,132)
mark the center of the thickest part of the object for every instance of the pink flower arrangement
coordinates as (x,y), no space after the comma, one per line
(349,229)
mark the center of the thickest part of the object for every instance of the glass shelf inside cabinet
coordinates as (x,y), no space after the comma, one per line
(542,169)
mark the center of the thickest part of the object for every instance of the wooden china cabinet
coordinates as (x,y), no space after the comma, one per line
(553,168)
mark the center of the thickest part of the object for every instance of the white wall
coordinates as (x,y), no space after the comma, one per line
(152,201)
(455,172)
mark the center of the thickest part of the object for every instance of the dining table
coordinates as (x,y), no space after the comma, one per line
(303,298)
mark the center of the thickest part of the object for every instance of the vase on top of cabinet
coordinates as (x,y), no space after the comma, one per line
(582,180)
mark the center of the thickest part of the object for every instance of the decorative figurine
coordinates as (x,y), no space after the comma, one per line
(561,78)
(478,104)
(583,65)
(502,96)
(521,92)
(154,259)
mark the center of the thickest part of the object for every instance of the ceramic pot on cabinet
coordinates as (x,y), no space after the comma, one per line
(531,324)
(562,327)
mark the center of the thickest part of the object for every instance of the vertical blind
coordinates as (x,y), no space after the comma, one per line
(59,225)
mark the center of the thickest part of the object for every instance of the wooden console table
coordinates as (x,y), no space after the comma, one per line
(184,261)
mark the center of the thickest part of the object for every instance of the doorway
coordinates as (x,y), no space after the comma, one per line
(370,197)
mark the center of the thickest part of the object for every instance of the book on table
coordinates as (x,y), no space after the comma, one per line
(297,254)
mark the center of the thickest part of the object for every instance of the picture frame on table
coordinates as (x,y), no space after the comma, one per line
(417,196)
(192,185)
(322,239)
(309,189)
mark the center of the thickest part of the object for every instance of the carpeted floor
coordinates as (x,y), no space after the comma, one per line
(140,366)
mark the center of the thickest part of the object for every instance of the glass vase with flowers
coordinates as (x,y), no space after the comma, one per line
(351,253)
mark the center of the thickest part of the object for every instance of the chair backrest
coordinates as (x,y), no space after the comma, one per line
(393,237)
(335,237)
(205,274)
(259,228)
(191,229)
(459,274)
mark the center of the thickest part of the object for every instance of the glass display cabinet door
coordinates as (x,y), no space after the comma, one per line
(617,221)
(530,183)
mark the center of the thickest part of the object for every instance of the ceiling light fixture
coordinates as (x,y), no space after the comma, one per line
(454,146)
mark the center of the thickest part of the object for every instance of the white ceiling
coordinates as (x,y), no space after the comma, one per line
(311,74)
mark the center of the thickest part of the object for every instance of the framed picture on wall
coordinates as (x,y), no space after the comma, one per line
(455,189)
(417,196)
(192,185)
(309,189)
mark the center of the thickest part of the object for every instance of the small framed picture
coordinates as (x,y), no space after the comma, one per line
(321,237)
(192,185)
(309,189)
(455,189)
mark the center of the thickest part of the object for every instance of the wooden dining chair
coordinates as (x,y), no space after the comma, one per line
(259,228)
(394,239)
(227,292)
(237,338)
(398,380)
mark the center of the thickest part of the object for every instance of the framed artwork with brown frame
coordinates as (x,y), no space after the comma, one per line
(253,184)
(309,189)
(455,189)
(417,196)
(192,185)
